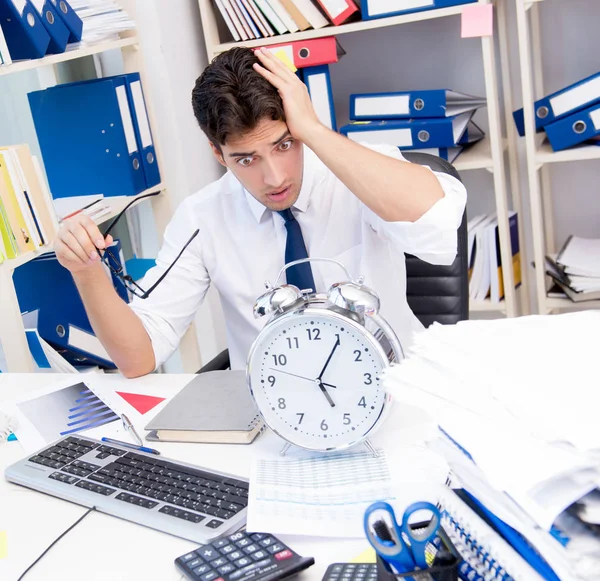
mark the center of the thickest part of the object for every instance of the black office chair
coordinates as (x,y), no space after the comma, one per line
(434,293)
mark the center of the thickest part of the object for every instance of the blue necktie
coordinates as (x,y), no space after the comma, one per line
(295,249)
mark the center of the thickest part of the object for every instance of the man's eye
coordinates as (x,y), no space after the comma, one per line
(286,145)
(245,161)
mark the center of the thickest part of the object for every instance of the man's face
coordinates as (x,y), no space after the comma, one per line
(268,162)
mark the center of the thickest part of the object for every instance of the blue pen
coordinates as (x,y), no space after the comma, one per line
(11,438)
(131,446)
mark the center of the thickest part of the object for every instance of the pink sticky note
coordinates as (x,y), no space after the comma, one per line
(477,20)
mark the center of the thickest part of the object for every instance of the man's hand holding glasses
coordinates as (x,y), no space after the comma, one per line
(80,245)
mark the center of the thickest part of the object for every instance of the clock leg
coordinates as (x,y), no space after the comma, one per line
(285,448)
(369,447)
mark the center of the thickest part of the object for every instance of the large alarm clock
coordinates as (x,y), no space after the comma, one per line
(315,368)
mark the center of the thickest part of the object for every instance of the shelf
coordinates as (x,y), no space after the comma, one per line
(75,52)
(476,156)
(116,203)
(567,303)
(544,153)
(344,28)
(530,3)
(487,306)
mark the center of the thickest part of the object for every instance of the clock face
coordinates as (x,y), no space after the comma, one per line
(315,377)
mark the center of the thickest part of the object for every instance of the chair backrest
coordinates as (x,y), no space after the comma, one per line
(434,292)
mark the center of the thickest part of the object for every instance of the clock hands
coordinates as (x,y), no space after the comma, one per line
(292,374)
(321,384)
(327,396)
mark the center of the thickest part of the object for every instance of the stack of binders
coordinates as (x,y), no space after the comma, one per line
(438,122)
(384,8)
(569,117)
(95,137)
(61,318)
(35,28)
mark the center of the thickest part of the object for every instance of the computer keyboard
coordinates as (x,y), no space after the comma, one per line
(177,498)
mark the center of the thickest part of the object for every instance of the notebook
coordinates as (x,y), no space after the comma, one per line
(215,407)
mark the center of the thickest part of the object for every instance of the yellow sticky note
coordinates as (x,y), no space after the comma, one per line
(283,57)
(3,545)
(477,20)
(367,556)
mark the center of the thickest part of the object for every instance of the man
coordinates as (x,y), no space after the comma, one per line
(363,206)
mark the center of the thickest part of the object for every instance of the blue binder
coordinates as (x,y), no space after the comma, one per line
(575,128)
(54,25)
(87,138)
(141,125)
(26,37)
(562,103)
(447,153)
(62,315)
(318,82)
(70,18)
(473,134)
(382,8)
(410,133)
(412,104)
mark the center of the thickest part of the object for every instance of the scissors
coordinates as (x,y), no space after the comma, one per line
(399,545)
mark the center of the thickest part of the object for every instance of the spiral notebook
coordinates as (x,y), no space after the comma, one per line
(215,407)
(483,549)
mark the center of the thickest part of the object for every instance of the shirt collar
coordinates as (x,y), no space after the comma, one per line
(303,201)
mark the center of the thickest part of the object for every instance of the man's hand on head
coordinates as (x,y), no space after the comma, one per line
(301,119)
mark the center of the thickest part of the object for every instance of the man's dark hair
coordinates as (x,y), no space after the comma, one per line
(230,97)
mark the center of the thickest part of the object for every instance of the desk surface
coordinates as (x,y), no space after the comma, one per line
(104,548)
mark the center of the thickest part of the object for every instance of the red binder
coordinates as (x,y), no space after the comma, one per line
(338,11)
(309,53)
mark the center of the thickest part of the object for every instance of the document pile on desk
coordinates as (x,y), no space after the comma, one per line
(517,401)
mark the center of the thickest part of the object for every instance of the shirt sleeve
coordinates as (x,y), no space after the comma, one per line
(169,310)
(433,237)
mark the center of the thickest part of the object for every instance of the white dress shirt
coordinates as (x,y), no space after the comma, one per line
(241,244)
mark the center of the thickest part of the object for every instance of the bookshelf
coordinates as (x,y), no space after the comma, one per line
(539,156)
(496,153)
(12,332)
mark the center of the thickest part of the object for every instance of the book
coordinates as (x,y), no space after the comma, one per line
(215,407)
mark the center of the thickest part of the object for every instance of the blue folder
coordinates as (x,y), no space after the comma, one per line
(60,307)
(380,9)
(141,125)
(473,134)
(562,103)
(412,104)
(318,82)
(410,133)
(70,18)
(56,28)
(574,129)
(26,37)
(87,138)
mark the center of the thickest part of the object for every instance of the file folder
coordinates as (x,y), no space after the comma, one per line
(309,53)
(70,18)
(338,11)
(141,125)
(87,138)
(412,104)
(24,32)
(54,25)
(410,133)
(382,8)
(562,103)
(318,82)
(575,128)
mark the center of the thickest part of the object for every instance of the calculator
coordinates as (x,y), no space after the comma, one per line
(242,557)
(351,572)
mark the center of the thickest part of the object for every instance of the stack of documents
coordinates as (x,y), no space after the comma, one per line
(102,20)
(438,122)
(576,268)
(570,116)
(517,409)
(27,217)
(485,263)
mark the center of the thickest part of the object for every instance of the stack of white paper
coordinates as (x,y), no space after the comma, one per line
(102,19)
(517,404)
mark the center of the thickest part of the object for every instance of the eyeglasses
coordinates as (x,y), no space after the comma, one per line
(115,266)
